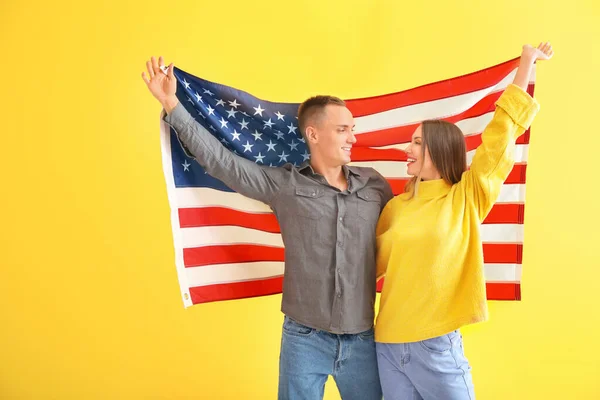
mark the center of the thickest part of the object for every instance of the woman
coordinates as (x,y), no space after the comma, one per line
(430,250)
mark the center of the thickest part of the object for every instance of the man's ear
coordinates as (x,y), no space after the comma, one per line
(311,134)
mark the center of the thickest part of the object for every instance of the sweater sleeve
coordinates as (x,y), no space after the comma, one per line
(383,251)
(494,158)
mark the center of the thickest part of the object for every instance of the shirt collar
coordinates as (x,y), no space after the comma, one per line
(305,166)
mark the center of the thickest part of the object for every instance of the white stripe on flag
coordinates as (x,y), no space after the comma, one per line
(240,272)
(428,110)
(502,233)
(469,127)
(512,193)
(206,197)
(503,272)
(216,235)
(235,272)
(225,235)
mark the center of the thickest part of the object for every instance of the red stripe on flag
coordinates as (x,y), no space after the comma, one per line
(374,154)
(236,290)
(506,214)
(370,154)
(503,290)
(233,253)
(219,216)
(516,176)
(503,253)
(495,290)
(397,185)
(433,91)
(269,286)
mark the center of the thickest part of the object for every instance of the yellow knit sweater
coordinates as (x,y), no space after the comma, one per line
(429,247)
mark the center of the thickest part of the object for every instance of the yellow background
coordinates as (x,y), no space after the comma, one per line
(90,305)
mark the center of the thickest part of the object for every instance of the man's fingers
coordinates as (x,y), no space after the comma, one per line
(155,65)
(146,80)
(150,70)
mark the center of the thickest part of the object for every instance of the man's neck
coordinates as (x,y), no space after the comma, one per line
(333,175)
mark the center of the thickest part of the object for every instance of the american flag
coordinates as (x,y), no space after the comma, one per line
(228,246)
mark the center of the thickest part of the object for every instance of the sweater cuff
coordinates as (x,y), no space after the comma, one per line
(519,105)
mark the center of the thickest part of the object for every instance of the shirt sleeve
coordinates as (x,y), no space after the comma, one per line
(244,176)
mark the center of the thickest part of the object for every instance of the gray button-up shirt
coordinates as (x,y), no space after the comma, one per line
(329,235)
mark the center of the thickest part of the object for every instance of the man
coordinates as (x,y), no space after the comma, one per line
(327,212)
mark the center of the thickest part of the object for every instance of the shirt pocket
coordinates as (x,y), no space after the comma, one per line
(308,202)
(369,204)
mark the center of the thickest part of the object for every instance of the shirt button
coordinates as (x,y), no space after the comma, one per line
(339,244)
(341,218)
(312,194)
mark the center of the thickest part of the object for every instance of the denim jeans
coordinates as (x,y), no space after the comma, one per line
(430,369)
(308,356)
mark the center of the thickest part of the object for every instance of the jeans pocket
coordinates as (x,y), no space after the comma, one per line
(440,344)
(367,335)
(294,328)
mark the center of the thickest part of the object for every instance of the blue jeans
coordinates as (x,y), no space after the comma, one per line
(431,369)
(308,356)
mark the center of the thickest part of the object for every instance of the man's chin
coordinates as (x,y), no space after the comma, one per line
(346,160)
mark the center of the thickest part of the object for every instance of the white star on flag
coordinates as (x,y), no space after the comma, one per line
(283,156)
(243,123)
(231,113)
(293,145)
(248,147)
(271,145)
(258,110)
(257,135)
(259,158)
